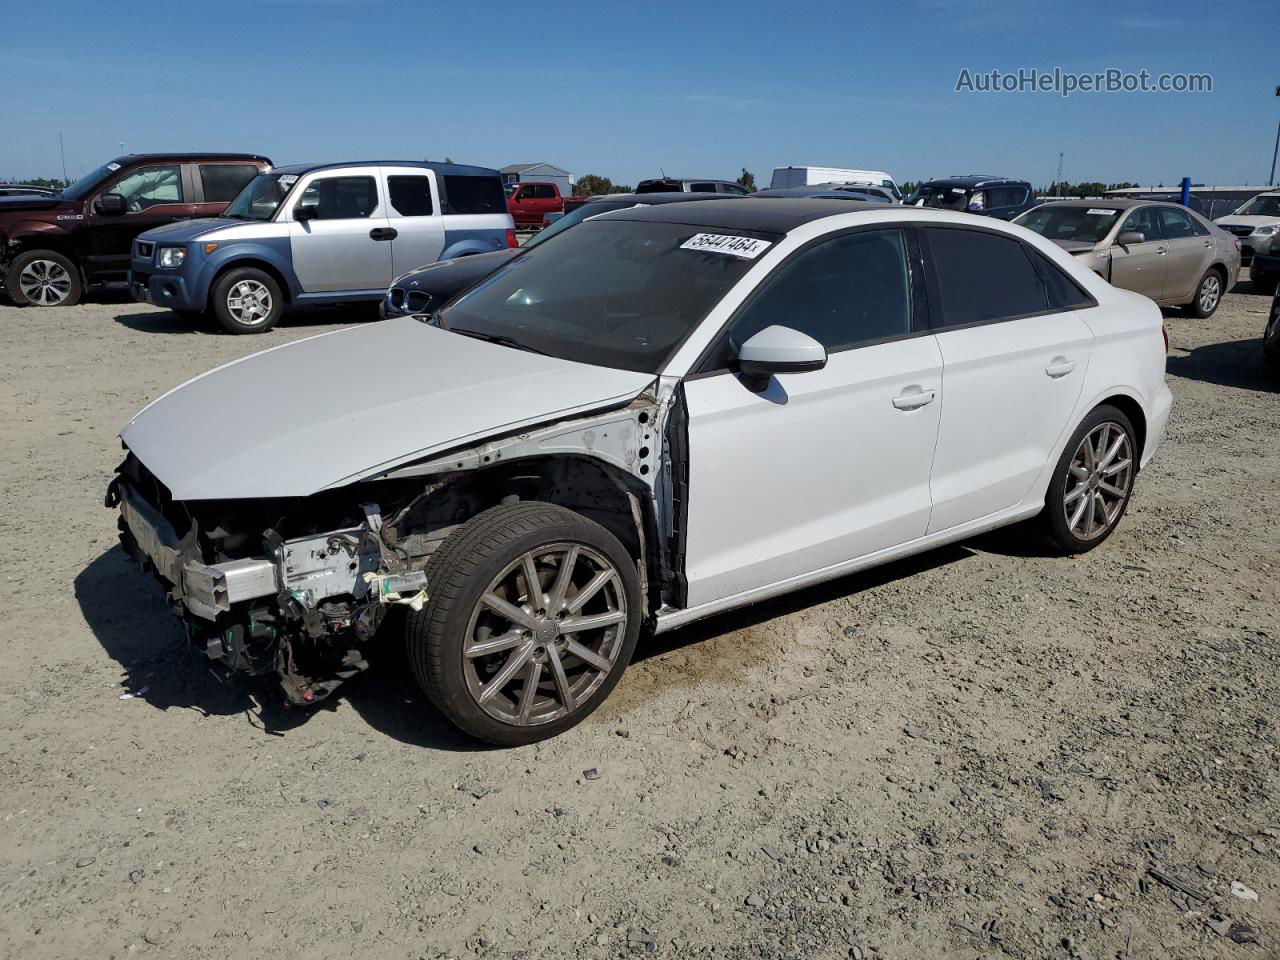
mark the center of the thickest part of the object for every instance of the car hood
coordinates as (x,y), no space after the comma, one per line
(1075,246)
(33,203)
(1247,221)
(449,276)
(339,407)
(185,230)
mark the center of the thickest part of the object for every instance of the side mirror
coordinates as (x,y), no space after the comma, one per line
(779,349)
(1131,236)
(303,213)
(112,205)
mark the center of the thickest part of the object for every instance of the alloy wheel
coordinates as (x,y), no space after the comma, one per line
(1210,292)
(545,634)
(1100,477)
(45,282)
(249,302)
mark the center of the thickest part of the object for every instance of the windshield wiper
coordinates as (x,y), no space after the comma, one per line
(499,338)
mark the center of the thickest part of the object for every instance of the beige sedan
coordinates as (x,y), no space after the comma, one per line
(1163,250)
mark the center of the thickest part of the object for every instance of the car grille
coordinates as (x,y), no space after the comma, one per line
(146,248)
(411,301)
(1239,231)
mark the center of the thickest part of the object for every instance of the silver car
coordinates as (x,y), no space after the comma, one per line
(1162,250)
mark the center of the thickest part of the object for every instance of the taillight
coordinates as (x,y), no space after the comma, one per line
(512,242)
(1236,241)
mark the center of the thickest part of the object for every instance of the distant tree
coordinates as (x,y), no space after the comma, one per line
(591,184)
(747,180)
(909,187)
(622,188)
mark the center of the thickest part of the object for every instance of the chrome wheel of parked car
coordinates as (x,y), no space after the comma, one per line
(249,301)
(45,283)
(545,634)
(534,613)
(1101,476)
(1208,295)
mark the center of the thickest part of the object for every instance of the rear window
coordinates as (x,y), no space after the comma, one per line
(659,186)
(474,195)
(223,181)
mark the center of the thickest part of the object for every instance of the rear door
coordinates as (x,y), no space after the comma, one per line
(154,195)
(347,247)
(1140,267)
(1189,253)
(823,467)
(413,212)
(1014,363)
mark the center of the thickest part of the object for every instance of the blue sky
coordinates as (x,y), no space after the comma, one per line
(697,89)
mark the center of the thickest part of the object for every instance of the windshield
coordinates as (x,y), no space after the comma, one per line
(1261,207)
(261,197)
(948,198)
(85,185)
(612,293)
(1082,224)
(576,215)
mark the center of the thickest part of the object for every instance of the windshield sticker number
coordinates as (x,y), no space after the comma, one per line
(113,167)
(748,248)
(288,180)
(1099,212)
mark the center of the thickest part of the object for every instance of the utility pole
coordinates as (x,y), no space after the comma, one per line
(1057,190)
(63,153)
(1271,181)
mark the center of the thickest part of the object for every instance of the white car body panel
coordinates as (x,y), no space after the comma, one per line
(338,254)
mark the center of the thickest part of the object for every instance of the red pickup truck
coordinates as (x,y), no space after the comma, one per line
(529,202)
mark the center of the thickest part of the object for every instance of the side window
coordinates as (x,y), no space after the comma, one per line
(149,187)
(1197,227)
(983,277)
(544,191)
(702,188)
(1143,221)
(1177,223)
(341,198)
(222,181)
(735,189)
(1063,292)
(1006,196)
(410,195)
(843,292)
(474,195)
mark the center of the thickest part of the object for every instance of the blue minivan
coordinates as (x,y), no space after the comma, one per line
(319,234)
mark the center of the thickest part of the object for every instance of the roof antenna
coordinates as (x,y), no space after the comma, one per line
(663,172)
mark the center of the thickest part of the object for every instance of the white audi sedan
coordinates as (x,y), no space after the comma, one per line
(664,413)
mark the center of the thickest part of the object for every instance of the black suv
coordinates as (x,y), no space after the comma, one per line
(984,195)
(52,248)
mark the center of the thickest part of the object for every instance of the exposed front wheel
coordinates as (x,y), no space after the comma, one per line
(1208,295)
(247,300)
(1093,481)
(534,614)
(43,278)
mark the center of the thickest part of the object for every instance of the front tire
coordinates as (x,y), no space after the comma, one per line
(43,278)
(1092,483)
(1208,295)
(534,614)
(247,300)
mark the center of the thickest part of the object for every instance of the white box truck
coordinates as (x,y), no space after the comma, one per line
(804,176)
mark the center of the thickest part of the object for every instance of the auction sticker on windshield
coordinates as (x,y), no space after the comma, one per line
(1099,212)
(748,248)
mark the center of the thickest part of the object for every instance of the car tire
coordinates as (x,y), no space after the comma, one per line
(1208,295)
(550,673)
(43,278)
(1092,482)
(247,300)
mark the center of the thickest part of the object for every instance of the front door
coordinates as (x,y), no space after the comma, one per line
(1140,267)
(153,196)
(347,245)
(823,467)
(1014,363)
(414,214)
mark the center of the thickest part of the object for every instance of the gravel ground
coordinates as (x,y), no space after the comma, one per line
(980,751)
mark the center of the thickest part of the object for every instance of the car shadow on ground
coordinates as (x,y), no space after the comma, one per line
(168,322)
(1232,363)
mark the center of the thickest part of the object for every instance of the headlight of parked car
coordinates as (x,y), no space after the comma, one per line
(172,256)
(1263,231)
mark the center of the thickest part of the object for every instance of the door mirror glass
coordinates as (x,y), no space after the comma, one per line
(112,204)
(304,212)
(780,349)
(1131,236)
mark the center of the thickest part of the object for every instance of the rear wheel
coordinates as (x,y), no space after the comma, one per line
(247,300)
(1092,484)
(1208,295)
(533,616)
(43,278)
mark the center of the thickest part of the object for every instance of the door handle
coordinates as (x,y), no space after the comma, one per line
(912,398)
(1161,251)
(383,233)
(1208,243)
(1059,367)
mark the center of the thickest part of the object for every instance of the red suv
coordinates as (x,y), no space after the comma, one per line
(52,248)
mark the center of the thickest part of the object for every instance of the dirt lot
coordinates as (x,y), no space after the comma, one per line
(977,752)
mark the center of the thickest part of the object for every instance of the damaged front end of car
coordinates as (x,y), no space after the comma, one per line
(299,586)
